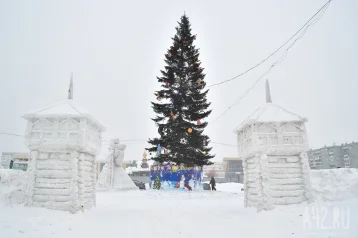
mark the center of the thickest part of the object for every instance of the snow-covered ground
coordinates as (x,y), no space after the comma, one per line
(189,214)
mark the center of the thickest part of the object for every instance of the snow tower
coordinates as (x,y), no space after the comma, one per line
(272,142)
(64,140)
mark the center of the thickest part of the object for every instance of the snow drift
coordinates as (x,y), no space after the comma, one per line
(334,184)
(12,186)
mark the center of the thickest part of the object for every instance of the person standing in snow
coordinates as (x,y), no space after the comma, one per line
(212,183)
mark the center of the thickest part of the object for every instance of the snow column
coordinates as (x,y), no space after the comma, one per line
(74,207)
(306,177)
(262,184)
(31,172)
(252,185)
(86,180)
(93,171)
(81,178)
(246,176)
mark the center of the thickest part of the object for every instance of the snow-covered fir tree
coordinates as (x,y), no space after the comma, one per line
(181,104)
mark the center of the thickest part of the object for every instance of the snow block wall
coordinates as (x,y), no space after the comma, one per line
(276,180)
(63,181)
(62,171)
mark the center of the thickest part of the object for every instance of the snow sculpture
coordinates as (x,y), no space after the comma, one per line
(272,144)
(113,176)
(64,140)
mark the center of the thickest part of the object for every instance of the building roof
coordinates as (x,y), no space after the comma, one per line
(231,158)
(64,108)
(270,112)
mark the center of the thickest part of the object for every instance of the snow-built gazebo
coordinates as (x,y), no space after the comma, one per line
(272,142)
(64,140)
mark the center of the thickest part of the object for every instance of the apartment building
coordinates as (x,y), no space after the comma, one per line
(336,156)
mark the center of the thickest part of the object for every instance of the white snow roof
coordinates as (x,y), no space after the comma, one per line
(270,112)
(64,108)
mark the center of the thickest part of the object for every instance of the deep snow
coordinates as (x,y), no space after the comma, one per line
(192,214)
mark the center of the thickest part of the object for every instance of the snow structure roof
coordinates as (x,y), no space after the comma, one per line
(66,108)
(270,112)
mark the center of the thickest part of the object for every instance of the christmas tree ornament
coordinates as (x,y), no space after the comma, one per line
(172,100)
(190,130)
(198,122)
(198,82)
(166,83)
(199,68)
(169,54)
(159,98)
(196,62)
(159,148)
(184,42)
(182,140)
(165,151)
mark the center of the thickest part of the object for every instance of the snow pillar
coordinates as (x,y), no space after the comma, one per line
(263,185)
(94,182)
(31,175)
(81,178)
(306,177)
(75,206)
(246,177)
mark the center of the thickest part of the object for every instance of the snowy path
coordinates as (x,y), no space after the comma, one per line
(167,214)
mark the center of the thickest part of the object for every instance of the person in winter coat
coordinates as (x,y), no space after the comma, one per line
(213,184)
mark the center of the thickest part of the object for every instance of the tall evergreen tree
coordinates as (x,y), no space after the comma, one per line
(182,104)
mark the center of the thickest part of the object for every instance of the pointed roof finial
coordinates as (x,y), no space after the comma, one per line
(70,90)
(268,93)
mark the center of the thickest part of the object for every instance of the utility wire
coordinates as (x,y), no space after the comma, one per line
(282,58)
(274,52)
(10,134)
(224,144)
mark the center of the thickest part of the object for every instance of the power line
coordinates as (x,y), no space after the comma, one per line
(218,143)
(274,52)
(10,134)
(282,58)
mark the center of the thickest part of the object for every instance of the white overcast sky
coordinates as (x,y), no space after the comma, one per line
(115,50)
